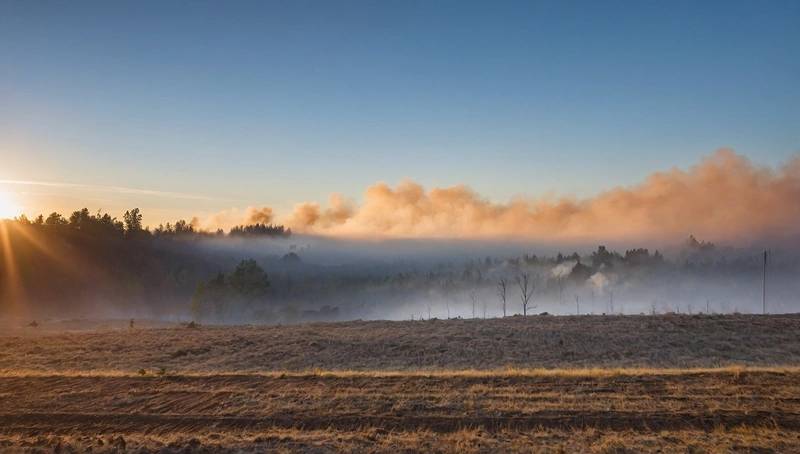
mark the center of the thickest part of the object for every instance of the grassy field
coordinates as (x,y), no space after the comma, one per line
(559,384)
(543,341)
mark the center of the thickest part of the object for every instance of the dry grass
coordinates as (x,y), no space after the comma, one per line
(733,370)
(765,440)
(368,387)
(467,411)
(515,342)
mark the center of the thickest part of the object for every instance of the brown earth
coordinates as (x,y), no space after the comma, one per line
(542,341)
(460,411)
(433,386)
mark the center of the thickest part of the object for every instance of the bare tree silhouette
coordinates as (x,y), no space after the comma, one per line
(526,287)
(473,296)
(502,288)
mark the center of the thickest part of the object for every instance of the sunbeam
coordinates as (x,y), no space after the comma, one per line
(64,265)
(11,290)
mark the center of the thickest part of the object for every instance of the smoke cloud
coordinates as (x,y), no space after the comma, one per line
(599,281)
(724,197)
(232,217)
(310,217)
(562,270)
(261,215)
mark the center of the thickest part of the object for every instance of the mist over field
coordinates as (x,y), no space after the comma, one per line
(406,279)
(230,279)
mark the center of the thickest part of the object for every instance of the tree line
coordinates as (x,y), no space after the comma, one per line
(131,225)
(96,263)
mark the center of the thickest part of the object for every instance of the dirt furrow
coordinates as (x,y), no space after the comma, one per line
(30,423)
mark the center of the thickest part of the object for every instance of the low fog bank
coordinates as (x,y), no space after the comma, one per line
(292,279)
(325,279)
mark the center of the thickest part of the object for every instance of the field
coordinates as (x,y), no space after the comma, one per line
(560,384)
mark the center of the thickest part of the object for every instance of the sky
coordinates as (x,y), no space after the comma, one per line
(191,108)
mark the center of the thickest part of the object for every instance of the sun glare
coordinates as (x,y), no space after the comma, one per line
(8,208)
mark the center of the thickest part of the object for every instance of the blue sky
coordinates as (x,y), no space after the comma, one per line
(274,103)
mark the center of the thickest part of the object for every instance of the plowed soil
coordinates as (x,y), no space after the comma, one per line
(128,391)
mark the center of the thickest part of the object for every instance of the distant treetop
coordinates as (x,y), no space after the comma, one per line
(271,230)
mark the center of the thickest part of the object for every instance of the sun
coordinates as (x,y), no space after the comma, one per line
(8,208)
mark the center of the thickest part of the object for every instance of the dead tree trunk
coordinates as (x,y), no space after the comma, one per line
(526,291)
(501,292)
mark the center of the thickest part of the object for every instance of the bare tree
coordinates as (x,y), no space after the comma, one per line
(447,289)
(501,292)
(526,286)
(473,296)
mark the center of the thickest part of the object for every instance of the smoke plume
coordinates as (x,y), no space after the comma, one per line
(562,270)
(724,197)
(599,281)
(232,217)
(261,215)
